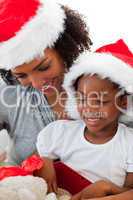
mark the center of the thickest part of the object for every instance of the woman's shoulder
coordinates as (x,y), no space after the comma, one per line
(13,92)
(2,84)
(7,93)
(7,89)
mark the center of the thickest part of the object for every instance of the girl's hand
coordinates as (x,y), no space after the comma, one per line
(48,173)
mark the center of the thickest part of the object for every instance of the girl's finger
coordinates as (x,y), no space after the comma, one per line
(55,188)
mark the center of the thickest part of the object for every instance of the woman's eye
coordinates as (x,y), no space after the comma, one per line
(43,68)
(21,76)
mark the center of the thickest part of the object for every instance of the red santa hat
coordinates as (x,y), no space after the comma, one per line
(113,61)
(27,27)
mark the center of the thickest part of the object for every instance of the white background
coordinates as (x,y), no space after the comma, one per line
(108,20)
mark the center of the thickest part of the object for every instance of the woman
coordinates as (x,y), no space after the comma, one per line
(39,43)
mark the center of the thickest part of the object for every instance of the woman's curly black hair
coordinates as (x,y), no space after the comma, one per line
(73,41)
(75,38)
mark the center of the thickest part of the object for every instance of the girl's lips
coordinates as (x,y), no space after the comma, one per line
(92,121)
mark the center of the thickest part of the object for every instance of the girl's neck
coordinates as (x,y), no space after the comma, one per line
(102,136)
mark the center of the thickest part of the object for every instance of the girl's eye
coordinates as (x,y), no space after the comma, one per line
(82,101)
(105,102)
(97,102)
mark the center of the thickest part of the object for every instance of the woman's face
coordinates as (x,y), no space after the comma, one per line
(45,74)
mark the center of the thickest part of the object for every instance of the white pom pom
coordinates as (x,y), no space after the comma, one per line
(26,194)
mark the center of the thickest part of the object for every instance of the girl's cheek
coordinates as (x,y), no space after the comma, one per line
(80,109)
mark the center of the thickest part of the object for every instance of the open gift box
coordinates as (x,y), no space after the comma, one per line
(68,179)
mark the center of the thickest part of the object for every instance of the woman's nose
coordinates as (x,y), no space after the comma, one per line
(35,81)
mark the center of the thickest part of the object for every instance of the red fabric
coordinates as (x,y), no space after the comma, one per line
(12,171)
(28,166)
(69,179)
(32,163)
(14,14)
(119,50)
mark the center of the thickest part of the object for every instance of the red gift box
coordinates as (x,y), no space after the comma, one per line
(68,179)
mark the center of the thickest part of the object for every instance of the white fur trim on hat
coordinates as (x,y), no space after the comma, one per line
(103,64)
(40,32)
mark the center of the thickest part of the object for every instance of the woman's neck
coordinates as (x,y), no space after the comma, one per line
(57,103)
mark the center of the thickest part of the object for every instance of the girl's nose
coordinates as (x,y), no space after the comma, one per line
(91,107)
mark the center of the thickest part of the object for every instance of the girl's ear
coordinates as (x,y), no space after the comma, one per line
(124,101)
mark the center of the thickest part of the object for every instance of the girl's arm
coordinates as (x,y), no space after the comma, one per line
(123,196)
(114,189)
(106,188)
(127,185)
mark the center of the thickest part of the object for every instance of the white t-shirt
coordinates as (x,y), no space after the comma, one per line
(65,139)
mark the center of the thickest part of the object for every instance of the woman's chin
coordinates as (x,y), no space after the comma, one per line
(48,93)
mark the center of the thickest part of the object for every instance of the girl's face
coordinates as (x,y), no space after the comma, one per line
(45,74)
(97,104)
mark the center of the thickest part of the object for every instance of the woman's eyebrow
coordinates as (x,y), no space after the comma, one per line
(36,67)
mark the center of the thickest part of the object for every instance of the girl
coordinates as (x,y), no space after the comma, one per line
(97,145)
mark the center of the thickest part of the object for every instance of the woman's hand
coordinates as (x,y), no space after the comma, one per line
(48,173)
